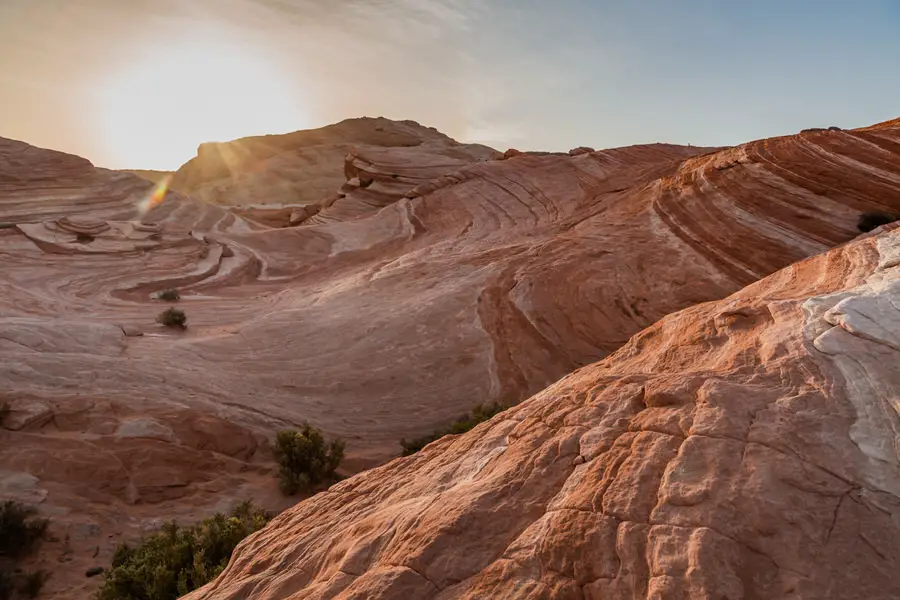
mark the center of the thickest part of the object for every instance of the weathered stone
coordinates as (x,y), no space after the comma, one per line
(783,472)
(714,444)
(144,427)
(27,414)
(132,331)
(21,487)
(581,150)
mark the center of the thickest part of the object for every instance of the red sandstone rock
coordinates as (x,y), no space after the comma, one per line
(487,281)
(745,448)
(581,150)
(305,167)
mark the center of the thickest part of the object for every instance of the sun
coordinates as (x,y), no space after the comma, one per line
(157,111)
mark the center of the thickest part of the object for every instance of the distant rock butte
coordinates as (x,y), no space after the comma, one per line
(396,305)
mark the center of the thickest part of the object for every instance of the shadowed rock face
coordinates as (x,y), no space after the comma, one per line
(488,281)
(306,167)
(745,448)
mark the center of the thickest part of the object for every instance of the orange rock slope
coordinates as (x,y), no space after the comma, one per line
(745,448)
(397,305)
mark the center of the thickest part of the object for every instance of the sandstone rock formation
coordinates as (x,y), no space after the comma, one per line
(745,448)
(154,176)
(306,167)
(383,315)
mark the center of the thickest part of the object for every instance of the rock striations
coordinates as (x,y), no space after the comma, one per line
(306,167)
(398,303)
(745,448)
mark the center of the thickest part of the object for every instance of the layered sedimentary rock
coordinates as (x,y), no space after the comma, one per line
(745,448)
(487,282)
(306,167)
(154,176)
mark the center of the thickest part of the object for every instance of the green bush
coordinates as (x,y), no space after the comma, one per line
(173,317)
(305,459)
(177,560)
(20,533)
(479,414)
(169,295)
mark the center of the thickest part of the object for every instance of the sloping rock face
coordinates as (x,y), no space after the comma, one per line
(154,176)
(485,283)
(306,167)
(746,448)
(105,463)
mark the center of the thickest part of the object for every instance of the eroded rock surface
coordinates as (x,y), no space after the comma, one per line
(487,282)
(306,167)
(745,448)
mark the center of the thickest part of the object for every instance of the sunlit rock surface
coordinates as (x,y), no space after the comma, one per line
(745,448)
(485,282)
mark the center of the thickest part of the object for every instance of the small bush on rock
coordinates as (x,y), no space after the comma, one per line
(177,560)
(19,530)
(480,414)
(305,459)
(172,317)
(169,295)
(20,533)
(33,583)
(869,221)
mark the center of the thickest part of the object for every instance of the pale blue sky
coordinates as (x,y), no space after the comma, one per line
(140,83)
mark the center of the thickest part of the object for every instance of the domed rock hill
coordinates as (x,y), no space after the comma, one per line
(304,167)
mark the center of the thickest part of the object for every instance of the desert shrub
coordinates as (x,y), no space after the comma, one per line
(19,530)
(305,458)
(33,582)
(7,585)
(20,533)
(869,221)
(172,317)
(177,560)
(478,415)
(169,295)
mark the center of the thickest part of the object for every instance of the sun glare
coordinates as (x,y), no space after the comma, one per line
(158,110)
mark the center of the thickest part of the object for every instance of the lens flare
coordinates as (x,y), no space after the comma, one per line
(155,198)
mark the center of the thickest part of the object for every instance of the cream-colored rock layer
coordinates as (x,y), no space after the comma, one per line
(746,448)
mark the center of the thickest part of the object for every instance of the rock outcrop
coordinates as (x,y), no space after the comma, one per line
(485,282)
(745,448)
(306,167)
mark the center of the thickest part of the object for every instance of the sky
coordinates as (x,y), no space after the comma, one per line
(141,83)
